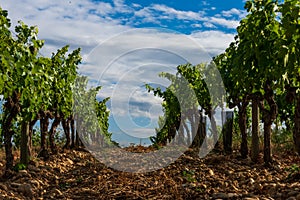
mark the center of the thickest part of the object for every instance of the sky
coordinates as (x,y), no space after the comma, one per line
(125,44)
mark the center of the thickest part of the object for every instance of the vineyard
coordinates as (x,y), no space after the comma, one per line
(254,155)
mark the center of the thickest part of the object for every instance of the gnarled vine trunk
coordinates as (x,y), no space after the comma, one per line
(66,127)
(11,109)
(24,146)
(52,133)
(269,116)
(199,138)
(44,124)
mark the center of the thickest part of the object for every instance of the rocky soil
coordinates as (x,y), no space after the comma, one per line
(78,175)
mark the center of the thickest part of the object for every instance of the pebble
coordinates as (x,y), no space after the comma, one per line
(278,196)
(33,168)
(35,183)
(23,171)
(69,161)
(211,172)
(3,187)
(58,192)
(232,195)
(26,189)
(251,180)
(15,185)
(292,193)
(220,196)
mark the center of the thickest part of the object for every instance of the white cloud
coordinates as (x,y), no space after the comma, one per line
(87,24)
(146,15)
(157,12)
(178,14)
(209,25)
(135,5)
(120,6)
(205,3)
(224,22)
(196,25)
(214,42)
(136,57)
(234,12)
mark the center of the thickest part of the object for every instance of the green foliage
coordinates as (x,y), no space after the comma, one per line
(60,138)
(286,111)
(91,115)
(63,67)
(19,167)
(293,170)
(161,133)
(264,59)
(192,88)
(171,107)
(281,136)
(32,85)
(103,116)
(36,137)
(189,176)
(79,179)
(290,42)
(64,185)
(282,139)
(262,62)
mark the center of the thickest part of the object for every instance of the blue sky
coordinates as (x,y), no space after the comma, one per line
(185,17)
(115,39)
(180,15)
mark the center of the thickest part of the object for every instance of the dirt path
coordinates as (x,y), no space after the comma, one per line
(77,175)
